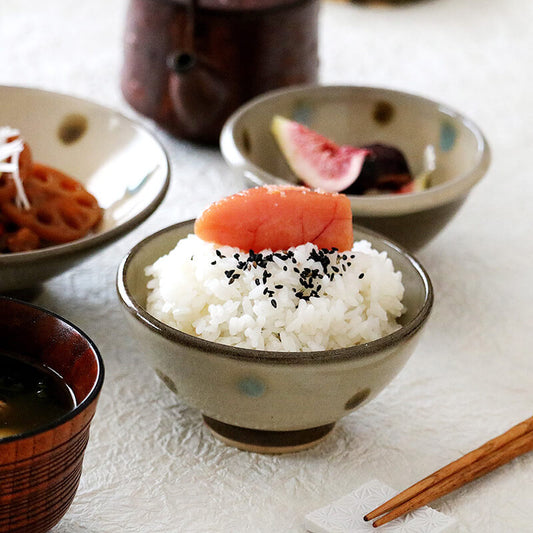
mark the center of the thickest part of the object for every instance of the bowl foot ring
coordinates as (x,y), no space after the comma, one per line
(261,441)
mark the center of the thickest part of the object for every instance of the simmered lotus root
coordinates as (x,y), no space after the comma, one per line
(23,240)
(61,209)
(8,189)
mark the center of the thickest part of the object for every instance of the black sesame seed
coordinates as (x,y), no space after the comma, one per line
(229,273)
(274,303)
(285,268)
(278,286)
(362,275)
(213,262)
(257,281)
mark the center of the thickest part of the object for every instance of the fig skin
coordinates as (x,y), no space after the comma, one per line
(385,170)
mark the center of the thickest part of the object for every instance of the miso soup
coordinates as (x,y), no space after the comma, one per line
(31,395)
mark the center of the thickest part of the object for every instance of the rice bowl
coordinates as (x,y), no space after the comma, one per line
(270,401)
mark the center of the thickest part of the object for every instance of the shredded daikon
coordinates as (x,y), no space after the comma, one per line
(12,149)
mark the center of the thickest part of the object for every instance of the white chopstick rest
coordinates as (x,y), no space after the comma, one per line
(345,515)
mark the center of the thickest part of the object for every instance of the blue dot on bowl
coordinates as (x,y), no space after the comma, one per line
(302,113)
(448,134)
(251,387)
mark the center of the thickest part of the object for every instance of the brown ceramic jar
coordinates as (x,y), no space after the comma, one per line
(189,64)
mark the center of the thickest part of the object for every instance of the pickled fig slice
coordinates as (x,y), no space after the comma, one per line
(316,160)
(385,170)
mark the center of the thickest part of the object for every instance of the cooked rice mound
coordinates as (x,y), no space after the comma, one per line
(302,299)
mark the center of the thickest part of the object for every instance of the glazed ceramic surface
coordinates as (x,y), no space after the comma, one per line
(270,391)
(365,115)
(40,469)
(117,160)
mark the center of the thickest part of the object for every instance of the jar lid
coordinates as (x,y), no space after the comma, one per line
(241,5)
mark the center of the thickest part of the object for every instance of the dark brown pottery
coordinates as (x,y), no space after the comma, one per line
(40,470)
(189,64)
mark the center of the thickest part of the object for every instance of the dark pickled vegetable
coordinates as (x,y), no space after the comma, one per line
(385,170)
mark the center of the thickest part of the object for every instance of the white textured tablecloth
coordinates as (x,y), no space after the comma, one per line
(150,465)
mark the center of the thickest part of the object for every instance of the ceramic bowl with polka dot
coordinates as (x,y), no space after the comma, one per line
(433,138)
(265,401)
(117,160)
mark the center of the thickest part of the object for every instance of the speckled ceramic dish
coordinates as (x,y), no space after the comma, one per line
(117,160)
(40,468)
(270,401)
(365,115)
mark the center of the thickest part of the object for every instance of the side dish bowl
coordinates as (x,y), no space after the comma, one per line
(117,160)
(40,469)
(270,401)
(364,115)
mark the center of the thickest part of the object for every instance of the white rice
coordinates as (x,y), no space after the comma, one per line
(266,307)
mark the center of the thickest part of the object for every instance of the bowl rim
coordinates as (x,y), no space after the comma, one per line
(87,401)
(362,351)
(379,205)
(94,239)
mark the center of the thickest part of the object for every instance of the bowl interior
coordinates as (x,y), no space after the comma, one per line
(117,160)
(29,331)
(358,116)
(132,288)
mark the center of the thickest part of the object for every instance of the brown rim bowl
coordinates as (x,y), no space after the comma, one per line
(117,160)
(270,401)
(364,115)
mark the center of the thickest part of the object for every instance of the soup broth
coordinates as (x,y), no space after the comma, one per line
(31,395)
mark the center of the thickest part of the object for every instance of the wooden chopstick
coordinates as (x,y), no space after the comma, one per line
(494,453)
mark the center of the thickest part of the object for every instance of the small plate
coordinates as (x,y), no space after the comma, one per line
(117,160)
